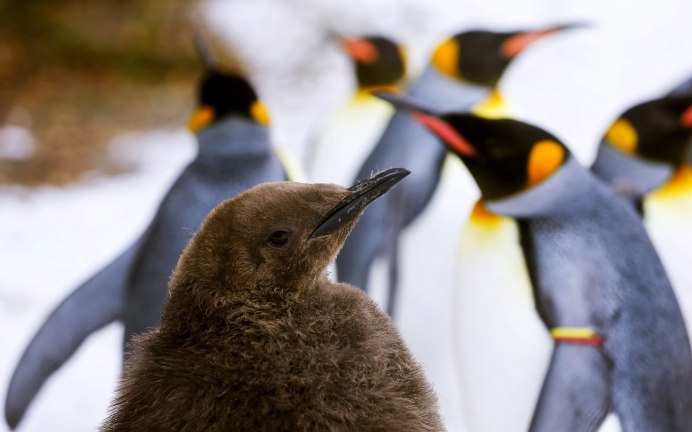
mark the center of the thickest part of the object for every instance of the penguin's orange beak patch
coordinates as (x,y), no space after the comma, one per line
(360,50)
(514,45)
(259,113)
(446,133)
(686,118)
(201,118)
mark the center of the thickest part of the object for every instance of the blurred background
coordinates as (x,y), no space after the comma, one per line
(94,97)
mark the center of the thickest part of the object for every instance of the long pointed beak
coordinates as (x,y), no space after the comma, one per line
(431,120)
(361,195)
(517,43)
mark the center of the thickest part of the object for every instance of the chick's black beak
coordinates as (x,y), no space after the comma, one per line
(361,195)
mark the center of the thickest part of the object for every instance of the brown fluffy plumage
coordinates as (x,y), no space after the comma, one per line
(255,337)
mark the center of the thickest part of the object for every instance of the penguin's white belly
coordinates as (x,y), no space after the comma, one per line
(503,348)
(668,220)
(348,139)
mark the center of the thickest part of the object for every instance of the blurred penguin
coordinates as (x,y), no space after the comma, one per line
(646,155)
(546,225)
(464,74)
(234,153)
(379,63)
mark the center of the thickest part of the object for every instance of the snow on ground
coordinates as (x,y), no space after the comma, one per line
(573,84)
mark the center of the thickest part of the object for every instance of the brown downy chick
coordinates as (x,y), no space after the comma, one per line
(255,337)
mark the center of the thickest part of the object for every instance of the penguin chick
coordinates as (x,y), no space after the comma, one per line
(600,288)
(255,337)
(234,153)
(464,74)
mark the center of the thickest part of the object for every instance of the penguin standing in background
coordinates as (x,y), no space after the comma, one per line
(600,291)
(379,63)
(464,74)
(234,154)
(254,336)
(646,155)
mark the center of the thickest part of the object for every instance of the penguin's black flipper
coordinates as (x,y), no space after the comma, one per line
(96,303)
(576,391)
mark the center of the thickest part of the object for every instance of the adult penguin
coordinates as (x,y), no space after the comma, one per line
(464,73)
(545,224)
(234,154)
(379,63)
(646,155)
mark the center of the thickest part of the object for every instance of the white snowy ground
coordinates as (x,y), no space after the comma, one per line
(574,85)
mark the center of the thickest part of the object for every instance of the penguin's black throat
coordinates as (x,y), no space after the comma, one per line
(361,195)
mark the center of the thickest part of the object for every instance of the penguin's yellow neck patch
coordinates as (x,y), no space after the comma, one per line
(201,118)
(679,184)
(482,216)
(623,136)
(446,57)
(259,112)
(492,107)
(546,157)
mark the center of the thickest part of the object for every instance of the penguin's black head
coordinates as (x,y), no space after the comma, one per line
(504,156)
(659,130)
(481,57)
(278,235)
(379,62)
(222,94)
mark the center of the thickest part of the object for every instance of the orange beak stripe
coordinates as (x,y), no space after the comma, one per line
(446,133)
(514,45)
(361,50)
(686,118)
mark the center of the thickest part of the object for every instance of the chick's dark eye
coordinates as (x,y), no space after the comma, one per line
(279,238)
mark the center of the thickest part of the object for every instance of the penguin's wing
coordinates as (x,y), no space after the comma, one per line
(575,394)
(95,303)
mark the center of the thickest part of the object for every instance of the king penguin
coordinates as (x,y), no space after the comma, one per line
(646,155)
(234,153)
(379,63)
(546,227)
(464,73)
(255,337)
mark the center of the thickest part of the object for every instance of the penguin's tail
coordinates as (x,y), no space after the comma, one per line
(96,303)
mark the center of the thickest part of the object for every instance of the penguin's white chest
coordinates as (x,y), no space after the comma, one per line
(503,349)
(348,139)
(668,220)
